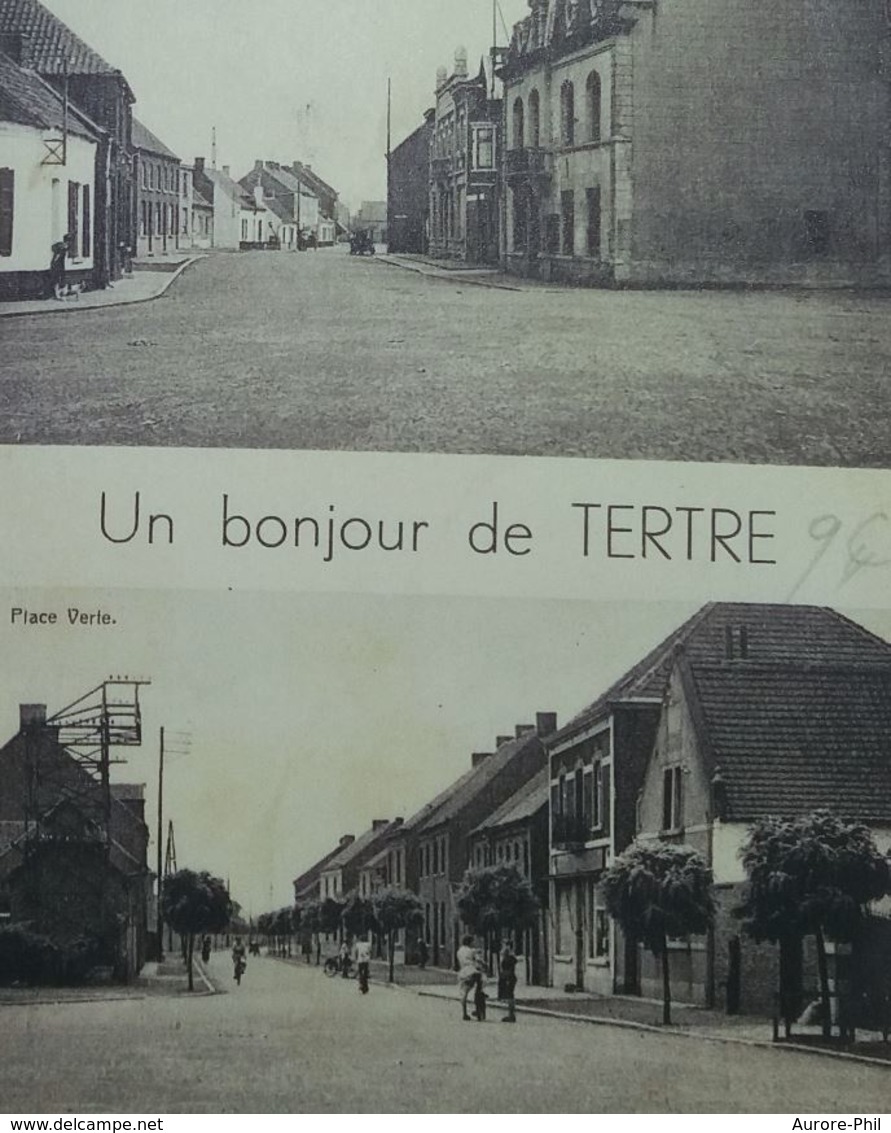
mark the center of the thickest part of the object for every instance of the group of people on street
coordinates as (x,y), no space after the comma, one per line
(472,974)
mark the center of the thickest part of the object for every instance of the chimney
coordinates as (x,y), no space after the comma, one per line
(545,723)
(17,45)
(380,823)
(199,164)
(347,840)
(227,170)
(442,77)
(31,716)
(461,63)
(258,195)
(258,165)
(500,741)
(479,757)
(523,729)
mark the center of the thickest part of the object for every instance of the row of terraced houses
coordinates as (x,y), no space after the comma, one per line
(75,161)
(743,712)
(662,142)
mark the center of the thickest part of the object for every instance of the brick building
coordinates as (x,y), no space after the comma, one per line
(463,209)
(158,193)
(443,838)
(408,190)
(102,93)
(675,142)
(62,871)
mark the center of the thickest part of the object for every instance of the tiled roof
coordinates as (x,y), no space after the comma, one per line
(523,805)
(775,633)
(310,877)
(466,789)
(789,738)
(361,846)
(144,139)
(199,199)
(231,188)
(50,41)
(25,98)
(314,181)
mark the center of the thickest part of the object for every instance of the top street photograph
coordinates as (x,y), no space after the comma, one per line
(629,229)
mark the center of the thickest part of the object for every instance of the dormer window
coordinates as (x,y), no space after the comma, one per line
(736,642)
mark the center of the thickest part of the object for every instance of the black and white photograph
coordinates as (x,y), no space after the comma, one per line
(410,860)
(638,229)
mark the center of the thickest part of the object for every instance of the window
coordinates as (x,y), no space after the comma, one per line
(534,120)
(86,239)
(7,210)
(484,147)
(592,93)
(593,205)
(520,220)
(552,233)
(420,861)
(427,921)
(436,856)
(672,798)
(427,859)
(567,213)
(564,929)
(567,114)
(519,134)
(73,212)
(244,229)
(598,926)
(442,923)
(143,218)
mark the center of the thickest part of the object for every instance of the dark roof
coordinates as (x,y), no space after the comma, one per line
(521,806)
(199,199)
(315,181)
(231,188)
(775,633)
(143,138)
(50,41)
(310,877)
(361,845)
(466,789)
(25,98)
(789,738)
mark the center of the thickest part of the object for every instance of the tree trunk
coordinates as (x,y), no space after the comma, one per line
(391,951)
(190,953)
(318,948)
(823,969)
(666,985)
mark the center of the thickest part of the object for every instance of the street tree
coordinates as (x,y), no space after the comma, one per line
(394,909)
(357,917)
(192,904)
(657,891)
(497,899)
(812,875)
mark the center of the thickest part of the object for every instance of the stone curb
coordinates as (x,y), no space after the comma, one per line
(628,1024)
(68,308)
(80,999)
(450,276)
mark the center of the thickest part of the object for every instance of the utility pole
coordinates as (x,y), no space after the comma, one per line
(160,917)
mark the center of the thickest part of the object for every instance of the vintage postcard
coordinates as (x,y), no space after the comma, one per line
(445,540)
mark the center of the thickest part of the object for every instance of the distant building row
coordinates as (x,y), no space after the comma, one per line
(74,160)
(652,142)
(745,711)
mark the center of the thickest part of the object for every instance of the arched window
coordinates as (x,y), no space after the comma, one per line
(534,120)
(519,125)
(594,107)
(567,114)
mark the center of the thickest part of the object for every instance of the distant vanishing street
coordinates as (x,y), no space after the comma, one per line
(327,351)
(289,1040)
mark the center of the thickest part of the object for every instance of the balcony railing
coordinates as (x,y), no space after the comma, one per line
(530,161)
(568,832)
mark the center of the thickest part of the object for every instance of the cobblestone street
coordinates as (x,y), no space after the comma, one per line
(326,351)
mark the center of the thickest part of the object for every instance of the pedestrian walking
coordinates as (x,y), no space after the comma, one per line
(508,981)
(423,953)
(470,978)
(362,953)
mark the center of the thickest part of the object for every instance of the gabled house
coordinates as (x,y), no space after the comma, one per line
(42,42)
(73,863)
(291,202)
(372,217)
(340,876)
(158,193)
(47,183)
(516,834)
(754,733)
(443,838)
(326,229)
(307,884)
(599,763)
(240,219)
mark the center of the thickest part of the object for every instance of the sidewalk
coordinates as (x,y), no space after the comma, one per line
(149,280)
(637,1013)
(456,272)
(168,978)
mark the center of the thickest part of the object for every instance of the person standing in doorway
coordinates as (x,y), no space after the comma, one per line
(57,267)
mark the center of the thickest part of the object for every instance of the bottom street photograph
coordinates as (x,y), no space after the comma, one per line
(286,853)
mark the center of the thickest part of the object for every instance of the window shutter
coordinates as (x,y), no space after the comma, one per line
(86,242)
(7,208)
(607,798)
(73,226)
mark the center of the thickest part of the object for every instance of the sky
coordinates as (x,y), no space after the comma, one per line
(286,79)
(308,716)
